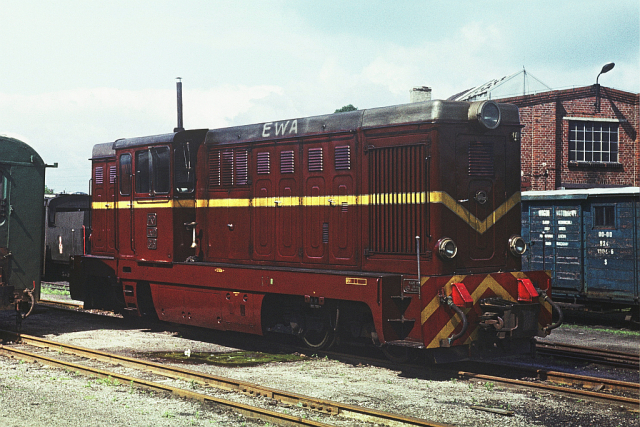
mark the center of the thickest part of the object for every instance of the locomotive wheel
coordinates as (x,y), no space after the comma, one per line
(319,334)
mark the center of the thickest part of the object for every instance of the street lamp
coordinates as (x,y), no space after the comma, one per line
(605,69)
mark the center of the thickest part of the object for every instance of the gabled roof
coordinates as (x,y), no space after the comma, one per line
(516,84)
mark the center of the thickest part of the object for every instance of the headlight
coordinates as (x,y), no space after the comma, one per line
(517,245)
(487,113)
(447,248)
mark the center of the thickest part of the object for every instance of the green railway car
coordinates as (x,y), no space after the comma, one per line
(21,225)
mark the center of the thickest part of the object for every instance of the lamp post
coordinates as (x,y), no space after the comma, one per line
(605,69)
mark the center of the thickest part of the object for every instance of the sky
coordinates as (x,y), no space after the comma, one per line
(78,73)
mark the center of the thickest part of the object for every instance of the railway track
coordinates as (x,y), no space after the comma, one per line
(584,387)
(318,406)
(55,303)
(581,386)
(593,355)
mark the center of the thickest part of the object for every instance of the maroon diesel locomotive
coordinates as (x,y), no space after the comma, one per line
(397,226)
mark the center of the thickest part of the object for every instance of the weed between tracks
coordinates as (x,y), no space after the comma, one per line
(230,359)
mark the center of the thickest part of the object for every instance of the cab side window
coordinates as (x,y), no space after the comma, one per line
(184,161)
(152,171)
(125,174)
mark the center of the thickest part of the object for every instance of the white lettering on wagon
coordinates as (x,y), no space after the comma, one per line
(572,212)
(280,128)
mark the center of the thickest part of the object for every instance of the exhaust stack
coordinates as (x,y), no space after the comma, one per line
(180,128)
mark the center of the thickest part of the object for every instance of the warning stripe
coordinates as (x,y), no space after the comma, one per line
(446,331)
(380,199)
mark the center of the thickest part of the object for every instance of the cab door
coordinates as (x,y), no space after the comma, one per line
(124,213)
(184,199)
(104,207)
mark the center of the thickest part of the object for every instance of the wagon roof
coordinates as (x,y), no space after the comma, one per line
(107,150)
(429,111)
(14,150)
(580,194)
(104,150)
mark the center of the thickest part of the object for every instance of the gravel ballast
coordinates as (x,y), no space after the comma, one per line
(31,394)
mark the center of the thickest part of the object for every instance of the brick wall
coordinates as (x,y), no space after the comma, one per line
(545,138)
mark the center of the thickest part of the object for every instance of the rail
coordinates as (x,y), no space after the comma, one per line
(317,405)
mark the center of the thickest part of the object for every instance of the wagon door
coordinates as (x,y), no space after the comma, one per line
(316,202)
(228,219)
(124,215)
(480,173)
(287,203)
(263,203)
(342,224)
(103,207)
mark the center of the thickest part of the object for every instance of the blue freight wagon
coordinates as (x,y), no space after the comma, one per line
(589,239)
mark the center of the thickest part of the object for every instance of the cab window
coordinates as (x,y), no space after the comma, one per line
(125,174)
(184,161)
(152,171)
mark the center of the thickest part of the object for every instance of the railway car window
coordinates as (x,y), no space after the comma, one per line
(604,216)
(125,174)
(184,161)
(143,181)
(152,171)
(160,169)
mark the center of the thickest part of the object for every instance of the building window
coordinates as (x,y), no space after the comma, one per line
(593,142)
(604,216)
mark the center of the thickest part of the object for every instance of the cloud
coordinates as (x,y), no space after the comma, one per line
(63,126)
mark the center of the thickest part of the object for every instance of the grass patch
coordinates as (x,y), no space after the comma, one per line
(603,329)
(44,289)
(234,358)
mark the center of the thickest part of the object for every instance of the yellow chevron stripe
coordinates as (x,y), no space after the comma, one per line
(377,199)
(446,331)
(480,226)
(435,302)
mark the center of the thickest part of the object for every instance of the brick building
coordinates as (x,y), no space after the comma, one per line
(579,138)
(575,138)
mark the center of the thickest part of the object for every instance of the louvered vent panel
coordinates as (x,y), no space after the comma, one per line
(286,162)
(112,174)
(99,175)
(214,168)
(264,163)
(226,168)
(242,167)
(325,232)
(397,208)
(343,158)
(315,160)
(481,159)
